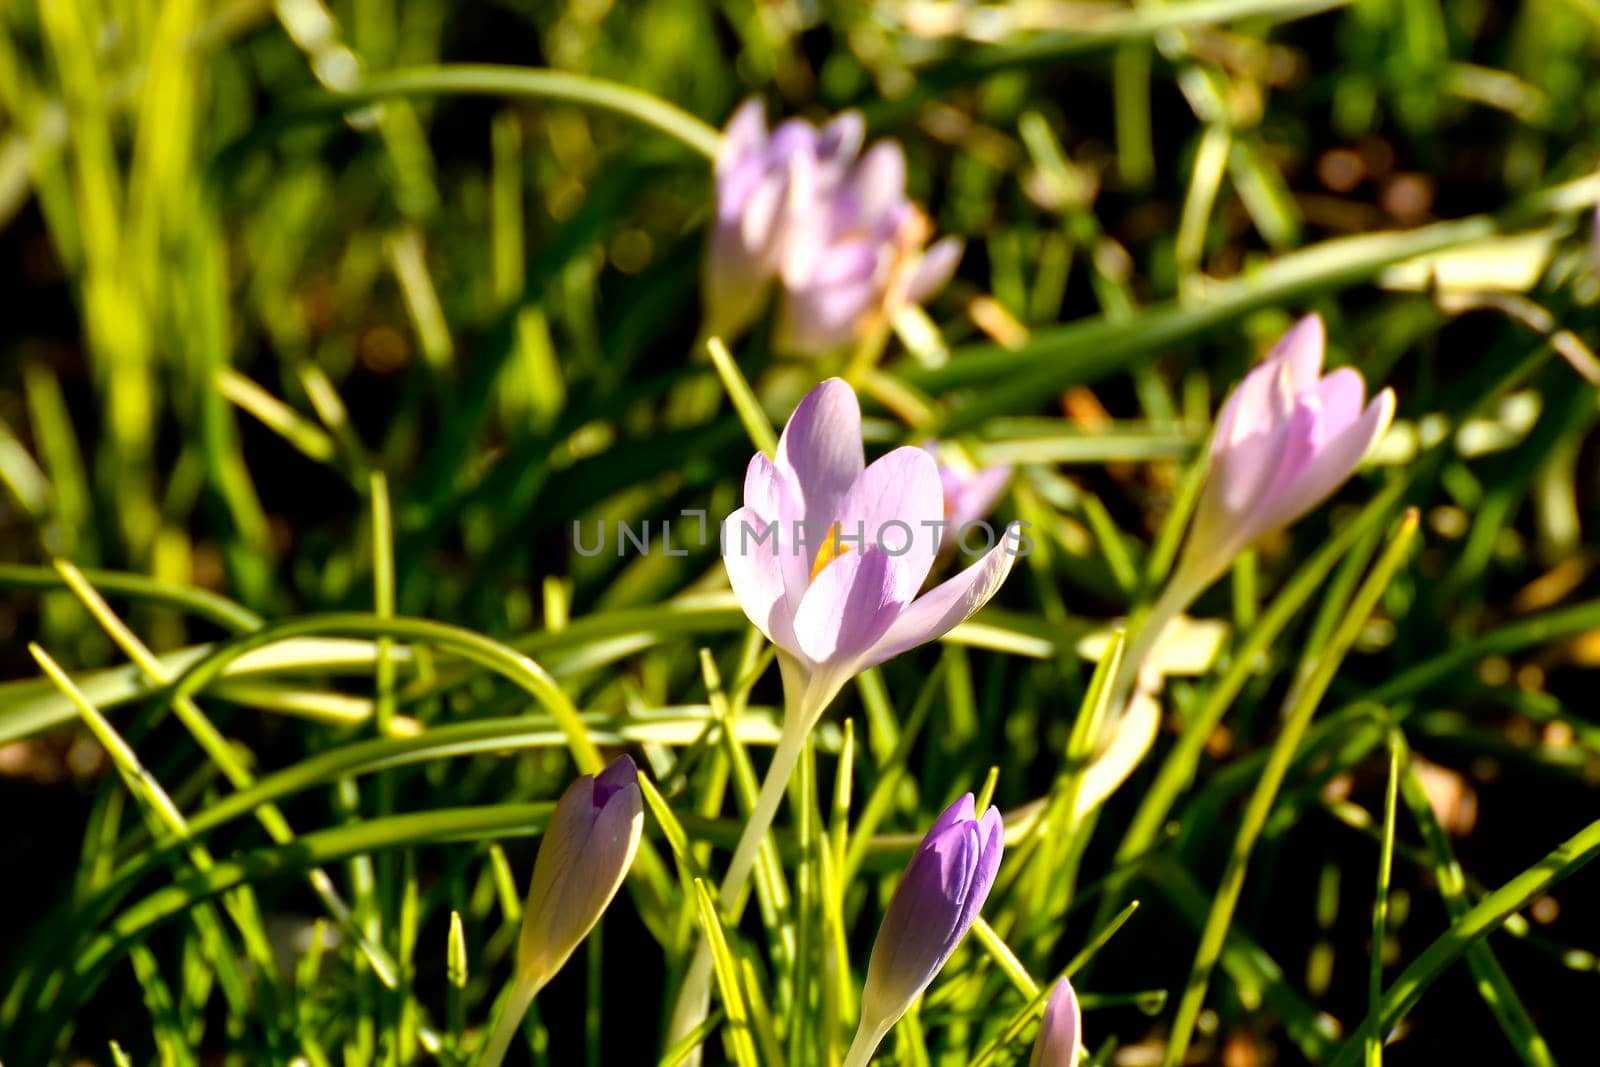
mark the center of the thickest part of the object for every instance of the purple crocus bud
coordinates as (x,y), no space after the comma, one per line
(587,850)
(1287,438)
(828,555)
(1060,1041)
(937,901)
(968,496)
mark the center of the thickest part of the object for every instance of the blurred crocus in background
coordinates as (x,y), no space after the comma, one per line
(827,558)
(585,853)
(831,225)
(969,495)
(1287,437)
(936,903)
(1060,1040)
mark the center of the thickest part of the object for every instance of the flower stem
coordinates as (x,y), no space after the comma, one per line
(1177,596)
(865,1045)
(694,997)
(509,1021)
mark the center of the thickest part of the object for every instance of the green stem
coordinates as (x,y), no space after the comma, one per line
(509,1020)
(865,1044)
(694,997)
(1177,596)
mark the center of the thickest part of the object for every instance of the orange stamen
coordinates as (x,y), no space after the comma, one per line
(832,548)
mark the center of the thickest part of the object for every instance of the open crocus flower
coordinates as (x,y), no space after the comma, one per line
(1287,438)
(827,555)
(1060,1040)
(969,496)
(936,903)
(800,206)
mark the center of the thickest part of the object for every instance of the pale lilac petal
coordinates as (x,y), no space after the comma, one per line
(847,262)
(756,571)
(1340,397)
(791,136)
(735,187)
(840,139)
(744,137)
(849,606)
(970,497)
(758,224)
(896,505)
(1289,452)
(816,322)
(770,492)
(879,181)
(766,488)
(1241,475)
(1302,348)
(1335,461)
(937,267)
(1251,409)
(947,605)
(1059,1032)
(820,450)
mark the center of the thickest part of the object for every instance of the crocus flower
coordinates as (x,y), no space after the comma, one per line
(1287,438)
(944,887)
(587,850)
(969,496)
(806,208)
(827,555)
(1060,1040)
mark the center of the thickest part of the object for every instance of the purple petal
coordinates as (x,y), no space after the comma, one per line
(820,450)
(970,497)
(945,606)
(1339,397)
(744,137)
(1302,347)
(918,932)
(735,186)
(621,774)
(879,181)
(771,493)
(790,137)
(848,607)
(758,222)
(1334,462)
(935,270)
(962,810)
(756,572)
(991,835)
(1059,1040)
(897,504)
(840,139)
